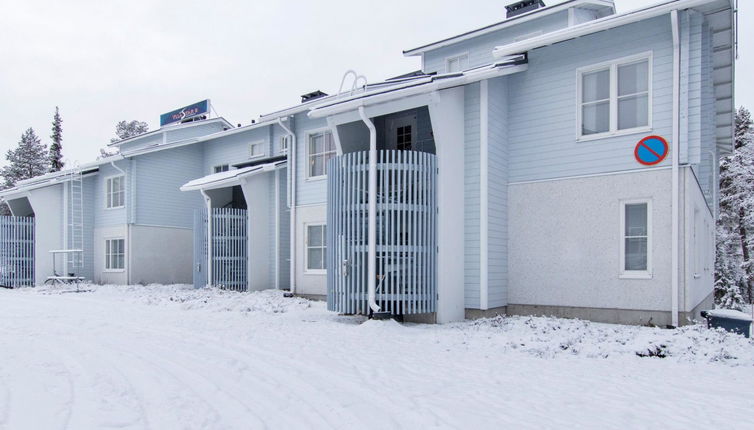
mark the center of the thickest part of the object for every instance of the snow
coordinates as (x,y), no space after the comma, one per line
(174,357)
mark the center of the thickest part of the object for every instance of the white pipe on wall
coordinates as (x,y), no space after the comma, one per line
(676,137)
(291,201)
(208,203)
(372,220)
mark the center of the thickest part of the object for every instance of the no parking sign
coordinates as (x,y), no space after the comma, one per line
(651,150)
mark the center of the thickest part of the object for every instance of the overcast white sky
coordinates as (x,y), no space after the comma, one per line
(105,61)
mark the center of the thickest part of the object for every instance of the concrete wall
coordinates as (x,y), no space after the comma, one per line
(308,282)
(565,242)
(48,235)
(161,255)
(110,276)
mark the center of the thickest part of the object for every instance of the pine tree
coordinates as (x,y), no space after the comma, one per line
(734,270)
(28,160)
(56,148)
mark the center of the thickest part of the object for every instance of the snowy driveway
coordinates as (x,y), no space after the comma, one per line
(168,358)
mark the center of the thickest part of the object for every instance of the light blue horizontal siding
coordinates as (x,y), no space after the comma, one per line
(543,104)
(158,178)
(102,216)
(194,131)
(234,148)
(497,213)
(471,197)
(309,192)
(89,184)
(480,48)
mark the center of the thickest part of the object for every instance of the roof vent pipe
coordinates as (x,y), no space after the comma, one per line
(522,7)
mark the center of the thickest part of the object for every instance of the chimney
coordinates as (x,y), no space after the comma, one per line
(522,7)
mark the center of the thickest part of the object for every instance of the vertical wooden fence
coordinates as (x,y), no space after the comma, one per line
(406,232)
(16,251)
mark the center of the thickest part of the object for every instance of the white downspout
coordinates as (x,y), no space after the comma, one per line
(277,229)
(372,220)
(127,209)
(676,137)
(208,202)
(291,201)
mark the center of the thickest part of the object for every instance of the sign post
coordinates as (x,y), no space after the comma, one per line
(651,150)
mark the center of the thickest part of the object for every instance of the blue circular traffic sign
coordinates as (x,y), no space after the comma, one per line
(651,150)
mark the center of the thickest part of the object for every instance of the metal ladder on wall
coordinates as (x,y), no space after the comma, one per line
(75,220)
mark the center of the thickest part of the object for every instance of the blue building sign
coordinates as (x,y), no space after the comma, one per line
(178,115)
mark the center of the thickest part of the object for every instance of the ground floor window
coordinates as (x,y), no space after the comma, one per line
(316,247)
(115,254)
(636,244)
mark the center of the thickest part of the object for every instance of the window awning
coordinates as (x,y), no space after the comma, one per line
(229,178)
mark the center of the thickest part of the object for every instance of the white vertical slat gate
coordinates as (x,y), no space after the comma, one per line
(406,232)
(16,251)
(229,250)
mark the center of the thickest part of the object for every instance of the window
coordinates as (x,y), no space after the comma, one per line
(283,147)
(457,63)
(614,97)
(636,244)
(221,168)
(316,247)
(321,150)
(115,192)
(256,149)
(115,254)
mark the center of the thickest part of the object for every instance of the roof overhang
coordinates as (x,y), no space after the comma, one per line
(720,16)
(536,14)
(422,85)
(230,178)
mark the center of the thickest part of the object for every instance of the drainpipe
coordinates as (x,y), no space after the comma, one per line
(372,221)
(208,202)
(291,201)
(676,137)
(127,207)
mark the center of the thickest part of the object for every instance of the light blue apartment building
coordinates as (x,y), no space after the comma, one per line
(562,161)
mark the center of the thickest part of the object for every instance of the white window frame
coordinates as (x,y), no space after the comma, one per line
(109,193)
(309,134)
(307,270)
(456,57)
(214,168)
(613,65)
(257,143)
(635,274)
(108,257)
(283,144)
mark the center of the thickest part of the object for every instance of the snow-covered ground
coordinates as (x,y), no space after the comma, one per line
(169,357)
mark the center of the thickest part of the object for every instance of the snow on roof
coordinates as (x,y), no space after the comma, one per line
(538,13)
(171,127)
(228,178)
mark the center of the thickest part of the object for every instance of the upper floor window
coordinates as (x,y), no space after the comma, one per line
(614,97)
(115,192)
(457,63)
(283,146)
(256,149)
(321,150)
(221,168)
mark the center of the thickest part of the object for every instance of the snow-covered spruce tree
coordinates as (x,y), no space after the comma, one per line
(735,225)
(27,160)
(124,130)
(56,147)
(729,274)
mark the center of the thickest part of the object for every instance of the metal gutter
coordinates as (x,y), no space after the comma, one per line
(437,83)
(675,174)
(372,214)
